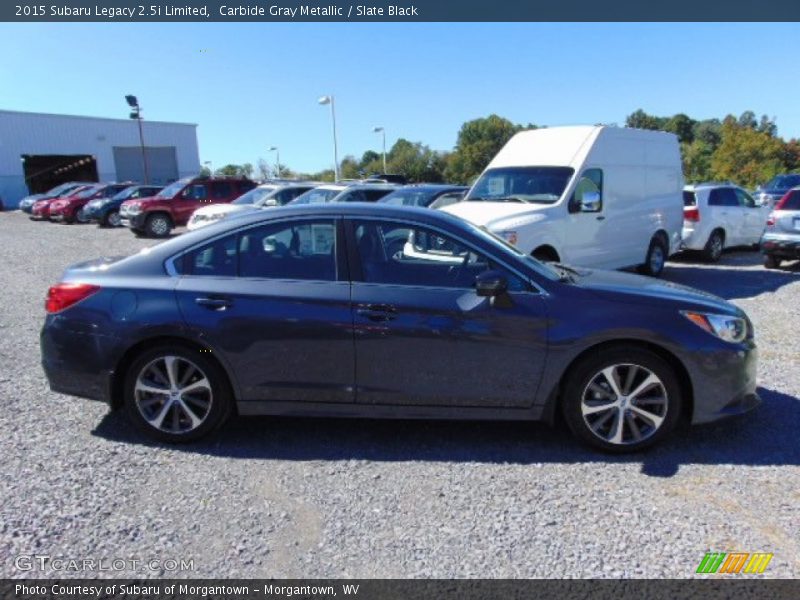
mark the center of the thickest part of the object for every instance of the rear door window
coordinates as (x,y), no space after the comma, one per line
(792,202)
(723,197)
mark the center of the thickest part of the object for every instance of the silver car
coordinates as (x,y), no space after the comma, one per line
(781,239)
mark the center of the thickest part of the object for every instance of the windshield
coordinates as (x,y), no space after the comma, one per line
(541,185)
(316,196)
(255,196)
(60,189)
(126,193)
(409,197)
(173,189)
(546,270)
(781,182)
(88,192)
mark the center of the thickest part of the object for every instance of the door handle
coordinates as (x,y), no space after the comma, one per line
(213,303)
(377,312)
(601,218)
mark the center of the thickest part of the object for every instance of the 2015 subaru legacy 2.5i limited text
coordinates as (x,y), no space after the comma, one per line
(303,311)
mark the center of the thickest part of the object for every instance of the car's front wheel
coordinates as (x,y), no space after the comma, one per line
(111,219)
(158,225)
(656,257)
(175,394)
(622,400)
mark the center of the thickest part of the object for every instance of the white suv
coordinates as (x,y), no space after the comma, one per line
(718,216)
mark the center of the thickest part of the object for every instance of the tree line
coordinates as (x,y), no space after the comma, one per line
(745,150)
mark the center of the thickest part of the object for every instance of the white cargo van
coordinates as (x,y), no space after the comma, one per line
(602,197)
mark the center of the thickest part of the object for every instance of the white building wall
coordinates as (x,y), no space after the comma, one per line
(39,133)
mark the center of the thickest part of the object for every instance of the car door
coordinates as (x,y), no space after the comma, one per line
(590,238)
(422,334)
(754,217)
(274,301)
(190,199)
(723,209)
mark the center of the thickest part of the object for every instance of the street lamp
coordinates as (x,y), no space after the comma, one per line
(329,100)
(277,159)
(136,113)
(383,134)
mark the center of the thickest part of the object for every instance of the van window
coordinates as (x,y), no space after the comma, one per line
(591,181)
(539,185)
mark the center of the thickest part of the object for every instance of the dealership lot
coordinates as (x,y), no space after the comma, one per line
(272,497)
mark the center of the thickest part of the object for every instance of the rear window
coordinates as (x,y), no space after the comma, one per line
(689,199)
(792,202)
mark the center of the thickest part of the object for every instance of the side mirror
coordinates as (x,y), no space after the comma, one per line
(591,202)
(490,284)
(270,202)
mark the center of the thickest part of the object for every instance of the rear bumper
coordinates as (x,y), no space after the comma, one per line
(75,363)
(787,246)
(693,238)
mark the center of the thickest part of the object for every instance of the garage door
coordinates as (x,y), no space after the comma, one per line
(162,164)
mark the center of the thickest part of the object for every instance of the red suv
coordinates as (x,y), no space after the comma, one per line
(172,206)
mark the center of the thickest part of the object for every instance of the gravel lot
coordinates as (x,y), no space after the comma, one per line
(279,497)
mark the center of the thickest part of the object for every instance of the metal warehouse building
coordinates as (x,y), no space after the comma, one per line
(38,151)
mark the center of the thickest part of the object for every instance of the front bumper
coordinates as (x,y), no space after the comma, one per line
(724,381)
(783,245)
(133,221)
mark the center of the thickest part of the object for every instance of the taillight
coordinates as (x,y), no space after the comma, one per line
(64,295)
(771,220)
(782,201)
(692,214)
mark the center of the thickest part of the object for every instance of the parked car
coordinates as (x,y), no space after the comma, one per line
(263,196)
(776,188)
(433,195)
(387,178)
(69,209)
(172,206)
(720,215)
(604,197)
(464,326)
(106,210)
(346,192)
(26,204)
(781,239)
(40,211)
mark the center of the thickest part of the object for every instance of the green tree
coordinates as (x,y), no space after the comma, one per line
(641,120)
(682,126)
(349,168)
(415,161)
(478,142)
(697,161)
(791,155)
(745,154)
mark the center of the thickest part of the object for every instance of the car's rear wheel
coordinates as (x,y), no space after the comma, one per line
(111,219)
(158,225)
(175,394)
(772,262)
(656,257)
(622,400)
(81,217)
(714,246)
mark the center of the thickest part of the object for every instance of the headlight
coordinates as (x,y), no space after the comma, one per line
(134,209)
(509,236)
(725,327)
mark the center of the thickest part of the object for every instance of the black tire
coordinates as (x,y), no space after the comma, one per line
(110,219)
(158,225)
(80,217)
(587,372)
(772,262)
(714,246)
(137,232)
(656,258)
(180,429)
(545,255)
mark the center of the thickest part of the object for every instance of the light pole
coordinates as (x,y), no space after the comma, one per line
(136,113)
(382,131)
(277,159)
(329,100)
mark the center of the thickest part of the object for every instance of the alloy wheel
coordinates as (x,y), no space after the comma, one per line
(624,404)
(657,259)
(114,219)
(173,394)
